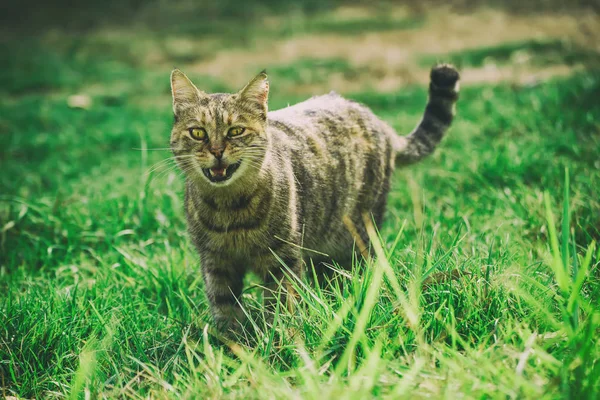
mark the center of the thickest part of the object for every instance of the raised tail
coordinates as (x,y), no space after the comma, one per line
(439,112)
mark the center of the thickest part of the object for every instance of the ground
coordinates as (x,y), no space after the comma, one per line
(486,284)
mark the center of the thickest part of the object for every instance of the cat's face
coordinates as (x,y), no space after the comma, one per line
(219,138)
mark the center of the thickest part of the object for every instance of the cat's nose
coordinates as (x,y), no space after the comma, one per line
(217,152)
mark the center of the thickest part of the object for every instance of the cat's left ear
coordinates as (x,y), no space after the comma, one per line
(257,91)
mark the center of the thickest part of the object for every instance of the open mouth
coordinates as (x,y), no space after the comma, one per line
(221,173)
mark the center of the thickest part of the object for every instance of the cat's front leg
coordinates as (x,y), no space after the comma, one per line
(224,283)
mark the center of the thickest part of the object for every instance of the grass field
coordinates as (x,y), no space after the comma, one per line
(487,282)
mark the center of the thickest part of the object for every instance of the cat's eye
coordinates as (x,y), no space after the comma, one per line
(198,133)
(235,131)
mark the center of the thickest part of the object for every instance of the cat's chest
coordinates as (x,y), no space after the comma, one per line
(235,226)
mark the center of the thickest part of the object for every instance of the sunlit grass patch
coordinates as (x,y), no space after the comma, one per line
(536,52)
(311,71)
(362,25)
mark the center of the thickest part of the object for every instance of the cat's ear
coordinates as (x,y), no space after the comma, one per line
(183,90)
(257,91)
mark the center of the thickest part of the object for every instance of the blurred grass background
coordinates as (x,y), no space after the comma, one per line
(99,288)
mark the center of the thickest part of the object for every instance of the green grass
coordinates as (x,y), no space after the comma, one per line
(536,52)
(487,284)
(311,71)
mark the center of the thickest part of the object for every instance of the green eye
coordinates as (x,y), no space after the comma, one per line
(237,131)
(198,133)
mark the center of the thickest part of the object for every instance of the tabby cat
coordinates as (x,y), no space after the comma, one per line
(270,188)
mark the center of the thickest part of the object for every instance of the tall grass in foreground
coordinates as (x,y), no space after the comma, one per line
(374,332)
(476,290)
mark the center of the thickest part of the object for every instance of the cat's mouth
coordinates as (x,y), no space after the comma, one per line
(221,173)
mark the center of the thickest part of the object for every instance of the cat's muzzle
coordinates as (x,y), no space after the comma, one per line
(221,173)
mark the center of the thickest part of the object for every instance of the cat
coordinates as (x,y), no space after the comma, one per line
(263,189)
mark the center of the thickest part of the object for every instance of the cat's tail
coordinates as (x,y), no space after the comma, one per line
(439,112)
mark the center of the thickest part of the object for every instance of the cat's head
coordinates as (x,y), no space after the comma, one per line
(219,138)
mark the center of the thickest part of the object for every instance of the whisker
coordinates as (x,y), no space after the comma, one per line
(184,165)
(254,165)
(165,172)
(178,171)
(156,148)
(163,163)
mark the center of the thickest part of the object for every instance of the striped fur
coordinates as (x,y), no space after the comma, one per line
(298,173)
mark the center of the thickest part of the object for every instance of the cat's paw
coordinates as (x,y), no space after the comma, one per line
(445,76)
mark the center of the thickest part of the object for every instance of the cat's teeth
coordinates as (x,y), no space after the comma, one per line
(219,172)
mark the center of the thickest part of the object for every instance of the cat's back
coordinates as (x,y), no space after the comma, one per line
(330,110)
(331,101)
(341,157)
(329,122)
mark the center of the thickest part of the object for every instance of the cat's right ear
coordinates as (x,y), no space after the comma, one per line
(184,92)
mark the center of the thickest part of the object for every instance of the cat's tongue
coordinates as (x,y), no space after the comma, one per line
(220,171)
